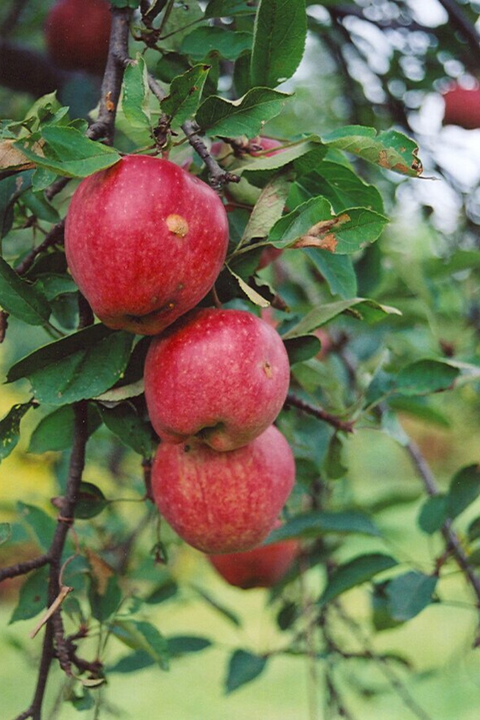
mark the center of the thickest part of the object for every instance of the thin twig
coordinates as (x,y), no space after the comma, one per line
(218,177)
(318,412)
(449,534)
(54,237)
(399,687)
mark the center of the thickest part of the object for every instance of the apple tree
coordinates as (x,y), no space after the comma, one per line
(307,125)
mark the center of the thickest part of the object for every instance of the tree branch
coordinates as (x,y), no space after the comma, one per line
(218,177)
(64,521)
(449,534)
(318,412)
(460,22)
(118,59)
(24,567)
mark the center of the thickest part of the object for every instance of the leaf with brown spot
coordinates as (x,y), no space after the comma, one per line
(101,571)
(314,224)
(390,149)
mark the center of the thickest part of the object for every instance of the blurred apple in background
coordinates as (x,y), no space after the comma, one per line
(77,34)
(462,106)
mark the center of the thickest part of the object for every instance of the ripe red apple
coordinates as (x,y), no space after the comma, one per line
(223,502)
(462,106)
(221,375)
(77,33)
(145,242)
(264,566)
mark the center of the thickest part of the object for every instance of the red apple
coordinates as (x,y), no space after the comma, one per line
(263,566)
(221,375)
(260,144)
(223,502)
(77,33)
(145,242)
(462,106)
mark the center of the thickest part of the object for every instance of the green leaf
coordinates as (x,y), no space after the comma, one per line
(464,489)
(409,594)
(314,224)
(104,604)
(80,366)
(10,428)
(137,660)
(473,531)
(280,33)
(316,524)
(20,298)
(364,309)
(433,514)
(229,8)
(54,284)
(165,591)
(33,596)
(141,635)
(181,17)
(425,376)
(337,270)
(8,189)
(302,348)
(69,152)
(56,430)
(355,572)
(207,40)
(135,96)
(184,644)
(90,501)
(389,149)
(124,421)
(269,207)
(226,612)
(134,4)
(246,116)
(42,525)
(334,463)
(5,532)
(340,185)
(185,93)
(381,616)
(242,669)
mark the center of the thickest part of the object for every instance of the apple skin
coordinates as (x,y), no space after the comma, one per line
(77,34)
(223,502)
(462,106)
(220,375)
(260,144)
(145,242)
(263,566)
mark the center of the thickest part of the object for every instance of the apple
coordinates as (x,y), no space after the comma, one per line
(462,106)
(223,502)
(264,566)
(260,144)
(219,375)
(77,34)
(145,242)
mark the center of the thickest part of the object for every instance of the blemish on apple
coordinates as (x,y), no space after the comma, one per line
(177,225)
